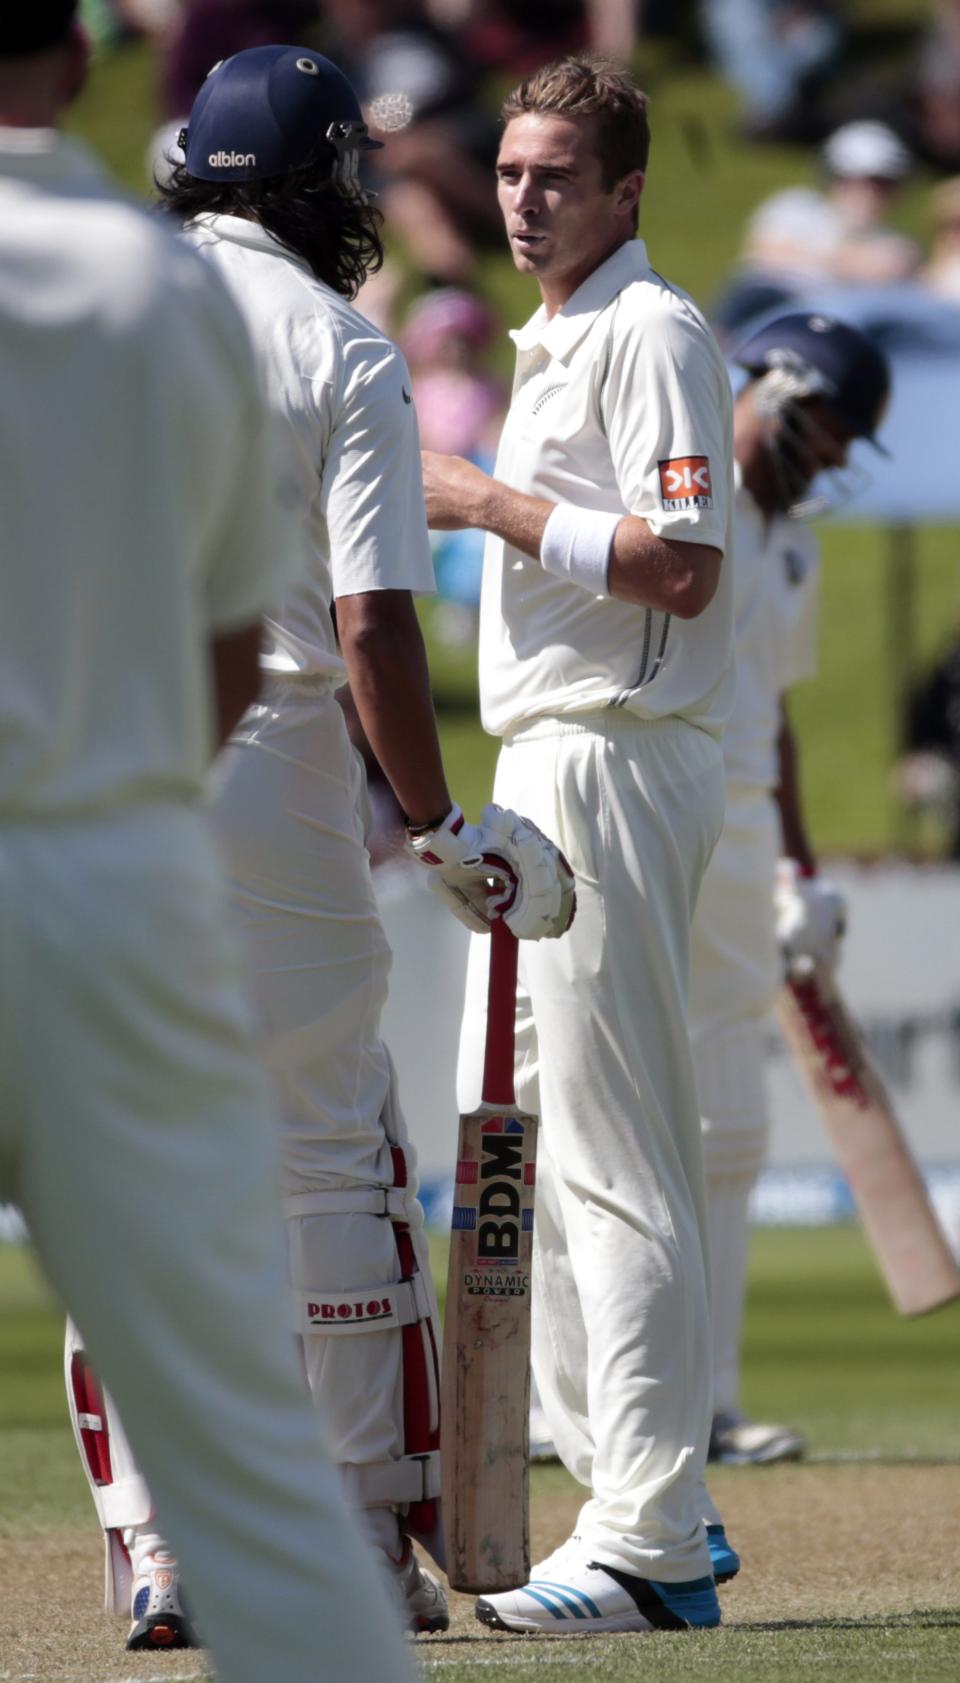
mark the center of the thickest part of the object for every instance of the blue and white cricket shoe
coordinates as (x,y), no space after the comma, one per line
(723,1556)
(571,1595)
(159,1618)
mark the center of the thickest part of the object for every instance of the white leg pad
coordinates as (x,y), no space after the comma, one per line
(728,1203)
(366,1312)
(119,1493)
(728,1061)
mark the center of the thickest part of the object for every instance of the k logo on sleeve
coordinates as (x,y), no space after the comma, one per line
(685,482)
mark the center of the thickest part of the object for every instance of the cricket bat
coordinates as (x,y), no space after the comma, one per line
(901,1227)
(486,1346)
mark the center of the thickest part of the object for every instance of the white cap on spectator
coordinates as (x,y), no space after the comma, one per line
(862,149)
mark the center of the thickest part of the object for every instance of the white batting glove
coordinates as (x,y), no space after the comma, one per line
(534,885)
(545,901)
(811,917)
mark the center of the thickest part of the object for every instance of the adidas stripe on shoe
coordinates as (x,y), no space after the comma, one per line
(571,1595)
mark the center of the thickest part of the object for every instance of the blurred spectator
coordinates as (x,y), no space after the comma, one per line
(941,272)
(436,177)
(802,236)
(933,115)
(920,95)
(460,404)
(772,51)
(927,777)
(209,30)
(514,36)
(149,17)
(102,23)
(517,35)
(109,21)
(460,407)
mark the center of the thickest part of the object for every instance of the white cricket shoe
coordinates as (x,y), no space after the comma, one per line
(423,1604)
(571,1595)
(158,1614)
(738,1442)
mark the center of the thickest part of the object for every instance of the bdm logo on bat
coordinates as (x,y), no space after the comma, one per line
(494,1201)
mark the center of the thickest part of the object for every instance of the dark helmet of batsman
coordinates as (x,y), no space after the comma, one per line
(273,111)
(826,359)
(803,368)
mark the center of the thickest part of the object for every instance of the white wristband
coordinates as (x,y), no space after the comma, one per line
(576,545)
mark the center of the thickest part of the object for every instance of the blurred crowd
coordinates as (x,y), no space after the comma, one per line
(799,67)
(870,123)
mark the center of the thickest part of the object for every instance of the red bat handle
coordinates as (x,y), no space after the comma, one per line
(501,1017)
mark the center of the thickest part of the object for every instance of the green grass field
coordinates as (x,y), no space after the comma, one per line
(852,1561)
(703,184)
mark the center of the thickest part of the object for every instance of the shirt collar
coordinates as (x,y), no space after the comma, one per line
(563,333)
(48,158)
(240,231)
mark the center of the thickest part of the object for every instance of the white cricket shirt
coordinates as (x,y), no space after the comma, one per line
(776,598)
(343,393)
(139,505)
(621,402)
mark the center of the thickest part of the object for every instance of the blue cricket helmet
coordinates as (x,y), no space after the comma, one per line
(272,110)
(845,369)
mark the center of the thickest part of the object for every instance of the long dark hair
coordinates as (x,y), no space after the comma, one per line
(338,235)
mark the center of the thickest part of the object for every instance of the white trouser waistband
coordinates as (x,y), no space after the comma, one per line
(611,721)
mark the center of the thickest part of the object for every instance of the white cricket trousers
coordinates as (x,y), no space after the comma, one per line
(620,1333)
(135,1134)
(734,975)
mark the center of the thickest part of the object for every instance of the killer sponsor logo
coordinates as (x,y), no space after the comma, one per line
(685,482)
(364,1309)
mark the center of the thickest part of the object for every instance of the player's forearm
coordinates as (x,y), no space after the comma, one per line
(671,577)
(653,572)
(795,841)
(382,646)
(602,553)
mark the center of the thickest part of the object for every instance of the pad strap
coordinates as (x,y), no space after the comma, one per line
(393,1202)
(369,1309)
(409,1480)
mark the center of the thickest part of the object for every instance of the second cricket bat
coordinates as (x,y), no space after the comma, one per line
(486,1347)
(899,1222)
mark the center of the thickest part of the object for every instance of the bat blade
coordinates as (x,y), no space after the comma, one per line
(486,1352)
(898,1219)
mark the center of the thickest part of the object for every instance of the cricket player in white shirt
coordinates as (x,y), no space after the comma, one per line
(142,535)
(269,193)
(815,384)
(606,667)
